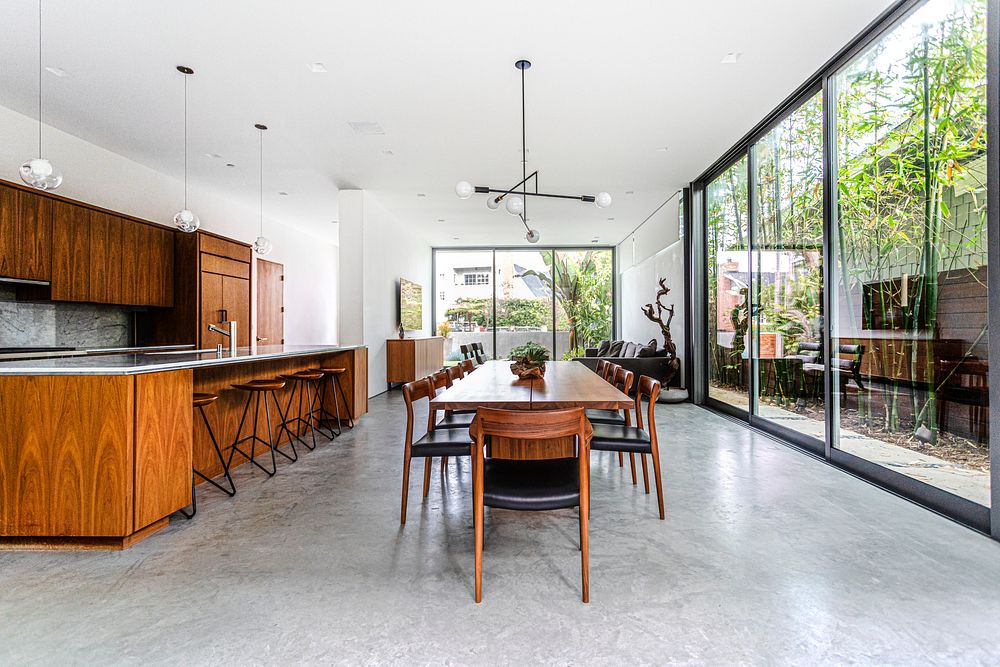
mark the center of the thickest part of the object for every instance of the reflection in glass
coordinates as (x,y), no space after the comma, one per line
(584,300)
(524,300)
(910,307)
(464,294)
(787,275)
(728,285)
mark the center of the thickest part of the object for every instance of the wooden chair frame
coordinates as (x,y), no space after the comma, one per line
(531,425)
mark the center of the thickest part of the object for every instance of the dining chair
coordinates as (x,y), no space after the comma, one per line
(531,485)
(636,439)
(622,379)
(602,368)
(468,365)
(609,372)
(452,418)
(455,373)
(443,443)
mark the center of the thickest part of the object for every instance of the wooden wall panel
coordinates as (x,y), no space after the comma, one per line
(66,455)
(163,437)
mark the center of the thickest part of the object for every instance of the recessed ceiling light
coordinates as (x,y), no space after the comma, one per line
(282,193)
(387,151)
(630,192)
(317,68)
(214,156)
(58,71)
(335,222)
(441,220)
(421,194)
(230,164)
(366,127)
(611,219)
(731,58)
(455,238)
(662,149)
(595,240)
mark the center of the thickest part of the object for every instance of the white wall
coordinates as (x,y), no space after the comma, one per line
(101,177)
(376,251)
(655,250)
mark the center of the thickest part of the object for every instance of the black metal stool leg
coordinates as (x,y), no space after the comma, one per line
(282,425)
(324,414)
(297,419)
(194,502)
(350,417)
(231,491)
(254,438)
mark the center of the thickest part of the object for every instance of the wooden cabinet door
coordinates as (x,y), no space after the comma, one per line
(211,310)
(25,236)
(236,303)
(162,268)
(70,250)
(105,285)
(270,303)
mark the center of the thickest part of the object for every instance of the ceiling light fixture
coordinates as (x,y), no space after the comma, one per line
(731,58)
(262,245)
(57,71)
(515,202)
(185,220)
(39,172)
(317,68)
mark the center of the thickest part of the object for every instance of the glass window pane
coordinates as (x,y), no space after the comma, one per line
(524,299)
(728,285)
(584,300)
(788,270)
(910,311)
(464,309)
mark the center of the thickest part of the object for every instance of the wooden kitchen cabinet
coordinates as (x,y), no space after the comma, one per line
(70,250)
(25,236)
(148,266)
(224,299)
(106,258)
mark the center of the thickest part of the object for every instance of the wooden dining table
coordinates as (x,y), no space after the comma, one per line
(567,384)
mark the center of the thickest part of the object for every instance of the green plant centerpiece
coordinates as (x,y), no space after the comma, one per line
(529,361)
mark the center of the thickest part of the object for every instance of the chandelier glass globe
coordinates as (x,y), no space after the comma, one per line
(39,173)
(262,246)
(532,236)
(603,200)
(514,204)
(186,221)
(492,203)
(464,189)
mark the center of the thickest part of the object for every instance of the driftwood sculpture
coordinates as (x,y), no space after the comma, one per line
(668,342)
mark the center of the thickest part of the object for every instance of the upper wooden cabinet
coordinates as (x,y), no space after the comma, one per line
(25,236)
(87,253)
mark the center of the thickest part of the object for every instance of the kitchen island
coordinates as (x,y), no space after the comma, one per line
(96,451)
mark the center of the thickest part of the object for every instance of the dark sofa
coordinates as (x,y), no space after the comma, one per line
(656,367)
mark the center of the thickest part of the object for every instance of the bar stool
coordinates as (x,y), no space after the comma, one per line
(325,415)
(199,401)
(254,389)
(302,382)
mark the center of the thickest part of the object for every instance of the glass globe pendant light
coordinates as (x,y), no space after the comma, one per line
(532,236)
(464,189)
(184,219)
(603,200)
(514,204)
(262,245)
(492,203)
(39,172)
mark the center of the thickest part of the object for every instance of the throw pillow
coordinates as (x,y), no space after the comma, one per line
(603,348)
(628,351)
(616,348)
(647,350)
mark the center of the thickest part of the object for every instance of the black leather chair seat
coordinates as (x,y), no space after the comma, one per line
(611,438)
(446,442)
(531,485)
(454,420)
(605,417)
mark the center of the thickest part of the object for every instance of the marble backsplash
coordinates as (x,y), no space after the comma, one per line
(84,325)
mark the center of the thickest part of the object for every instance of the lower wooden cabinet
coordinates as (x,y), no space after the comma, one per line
(408,359)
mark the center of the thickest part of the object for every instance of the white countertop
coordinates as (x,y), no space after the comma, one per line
(151,362)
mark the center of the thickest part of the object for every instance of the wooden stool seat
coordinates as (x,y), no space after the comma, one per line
(260,385)
(199,400)
(299,376)
(333,371)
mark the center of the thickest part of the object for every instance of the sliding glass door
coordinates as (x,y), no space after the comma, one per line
(846,263)
(560,298)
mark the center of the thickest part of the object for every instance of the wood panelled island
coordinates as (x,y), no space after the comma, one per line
(96,451)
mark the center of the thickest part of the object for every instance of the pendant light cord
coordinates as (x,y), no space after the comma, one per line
(524,159)
(260,133)
(39,78)
(185,141)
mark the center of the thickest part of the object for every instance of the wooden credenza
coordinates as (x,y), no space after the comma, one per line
(408,359)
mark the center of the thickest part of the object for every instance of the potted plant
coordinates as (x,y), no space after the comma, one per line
(529,361)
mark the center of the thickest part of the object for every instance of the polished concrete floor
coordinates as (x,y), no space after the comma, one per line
(767,556)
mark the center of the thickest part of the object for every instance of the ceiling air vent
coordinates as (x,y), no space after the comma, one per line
(366,127)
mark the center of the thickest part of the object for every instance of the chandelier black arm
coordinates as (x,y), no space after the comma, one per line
(503,193)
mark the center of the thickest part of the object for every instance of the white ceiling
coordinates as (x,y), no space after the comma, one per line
(611,84)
